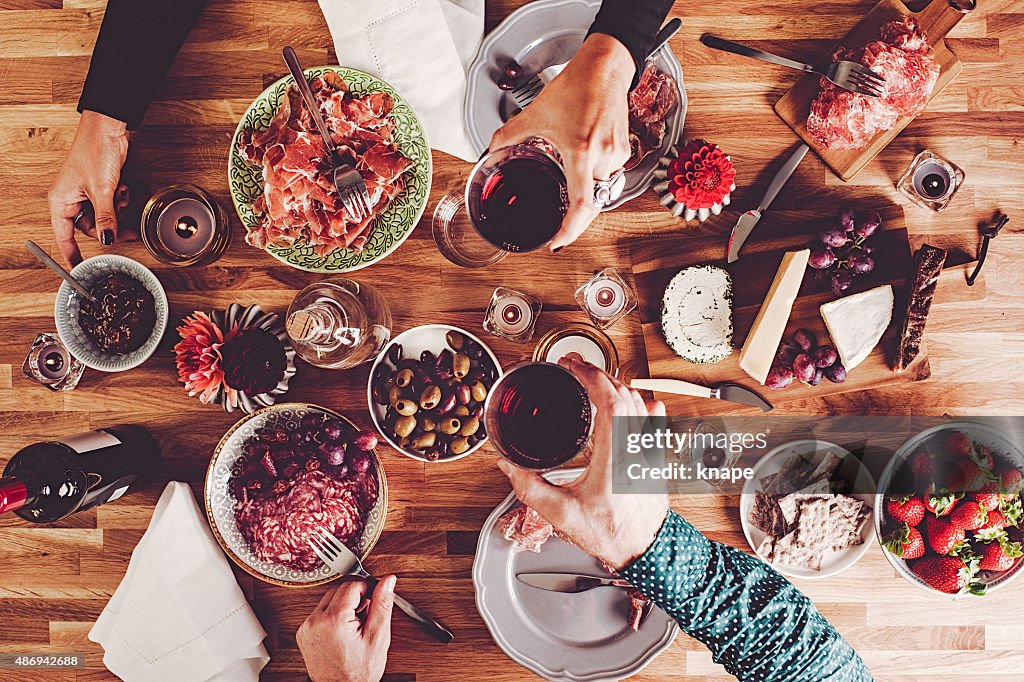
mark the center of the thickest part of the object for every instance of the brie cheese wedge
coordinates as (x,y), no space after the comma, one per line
(856,323)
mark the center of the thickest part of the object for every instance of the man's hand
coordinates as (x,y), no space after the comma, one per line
(337,645)
(584,113)
(617,529)
(90,173)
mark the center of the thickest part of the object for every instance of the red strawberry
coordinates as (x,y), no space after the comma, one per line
(908,510)
(939,501)
(959,443)
(999,554)
(995,521)
(967,476)
(988,498)
(905,542)
(942,536)
(922,464)
(982,456)
(1010,482)
(1012,511)
(968,516)
(944,573)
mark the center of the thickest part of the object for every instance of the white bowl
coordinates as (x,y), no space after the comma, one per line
(998,442)
(414,341)
(66,306)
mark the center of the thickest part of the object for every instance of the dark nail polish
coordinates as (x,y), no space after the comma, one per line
(107,237)
(556,250)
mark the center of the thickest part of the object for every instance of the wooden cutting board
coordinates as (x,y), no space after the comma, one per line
(655,262)
(937,19)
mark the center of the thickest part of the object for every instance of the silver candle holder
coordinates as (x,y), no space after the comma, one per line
(50,364)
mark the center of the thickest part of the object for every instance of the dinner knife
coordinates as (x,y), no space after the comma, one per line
(569,583)
(733,393)
(745,225)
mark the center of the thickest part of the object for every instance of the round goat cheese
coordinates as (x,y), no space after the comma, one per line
(696,314)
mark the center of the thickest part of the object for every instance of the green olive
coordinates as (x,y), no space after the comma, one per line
(406,407)
(469,426)
(455,340)
(426,423)
(394,395)
(404,426)
(461,411)
(424,441)
(404,378)
(449,426)
(430,397)
(478,391)
(459,445)
(460,365)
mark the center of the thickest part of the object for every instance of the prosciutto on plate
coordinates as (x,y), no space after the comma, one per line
(299,201)
(840,119)
(649,105)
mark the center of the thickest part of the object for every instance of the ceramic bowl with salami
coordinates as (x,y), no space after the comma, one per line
(427,390)
(282,472)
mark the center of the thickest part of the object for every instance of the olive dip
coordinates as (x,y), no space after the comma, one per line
(123,316)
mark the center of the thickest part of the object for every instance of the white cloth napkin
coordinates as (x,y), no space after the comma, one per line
(422,48)
(178,615)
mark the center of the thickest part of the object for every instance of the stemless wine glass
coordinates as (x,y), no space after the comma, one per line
(538,415)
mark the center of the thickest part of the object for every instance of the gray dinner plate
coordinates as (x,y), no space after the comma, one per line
(537,35)
(581,637)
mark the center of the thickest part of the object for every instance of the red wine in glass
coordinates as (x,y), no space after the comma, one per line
(538,415)
(517,198)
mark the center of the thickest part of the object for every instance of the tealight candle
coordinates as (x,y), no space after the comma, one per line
(931,181)
(512,315)
(581,342)
(49,363)
(183,225)
(606,298)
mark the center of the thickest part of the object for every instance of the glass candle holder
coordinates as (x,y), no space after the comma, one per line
(183,225)
(606,298)
(931,181)
(512,315)
(580,341)
(49,363)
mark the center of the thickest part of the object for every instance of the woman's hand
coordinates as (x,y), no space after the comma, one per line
(617,529)
(90,174)
(584,113)
(336,645)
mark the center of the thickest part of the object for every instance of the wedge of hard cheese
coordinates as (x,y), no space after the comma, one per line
(856,323)
(763,340)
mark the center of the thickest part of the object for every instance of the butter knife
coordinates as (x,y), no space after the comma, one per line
(745,225)
(568,582)
(733,393)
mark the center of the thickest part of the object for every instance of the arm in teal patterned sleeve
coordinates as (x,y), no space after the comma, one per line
(756,623)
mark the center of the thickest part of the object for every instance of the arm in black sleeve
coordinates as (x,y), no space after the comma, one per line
(137,43)
(634,23)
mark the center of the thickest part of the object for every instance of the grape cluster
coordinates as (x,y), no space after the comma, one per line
(844,250)
(802,359)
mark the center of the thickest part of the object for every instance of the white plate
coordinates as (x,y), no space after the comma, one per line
(832,563)
(565,637)
(65,313)
(414,341)
(537,35)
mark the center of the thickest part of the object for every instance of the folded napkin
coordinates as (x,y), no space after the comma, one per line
(178,615)
(422,48)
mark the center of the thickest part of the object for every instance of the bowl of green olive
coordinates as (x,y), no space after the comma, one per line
(427,391)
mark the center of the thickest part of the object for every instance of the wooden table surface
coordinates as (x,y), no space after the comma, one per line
(55,580)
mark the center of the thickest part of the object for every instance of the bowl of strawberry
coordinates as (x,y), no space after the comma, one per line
(949,509)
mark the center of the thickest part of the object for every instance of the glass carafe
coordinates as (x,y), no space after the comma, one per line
(338,324)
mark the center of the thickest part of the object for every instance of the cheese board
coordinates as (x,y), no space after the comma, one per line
(656,262)
(936,20)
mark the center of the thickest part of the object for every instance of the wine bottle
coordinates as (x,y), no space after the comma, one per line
(49,481)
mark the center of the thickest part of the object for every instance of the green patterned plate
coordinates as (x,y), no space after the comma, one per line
(390,228)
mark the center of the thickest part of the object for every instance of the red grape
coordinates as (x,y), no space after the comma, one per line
(861,263)
(834,236)
(822,259)
(841,281)
(804,339)
(512,69)
(506,84)
(846,219)
(787,351)
(819,374)
(825,356)
(359,460)
(779,377)
(868,226)
(333,453)
(836,373)
(803,367)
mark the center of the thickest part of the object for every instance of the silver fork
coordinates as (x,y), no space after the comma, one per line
(340,558)
(847,75)
(347,180)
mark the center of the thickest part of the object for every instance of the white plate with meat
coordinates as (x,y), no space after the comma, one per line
(281,472)
(567,637)
(547,32)
(278,171)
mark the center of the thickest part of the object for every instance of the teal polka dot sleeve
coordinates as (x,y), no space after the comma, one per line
(756,623)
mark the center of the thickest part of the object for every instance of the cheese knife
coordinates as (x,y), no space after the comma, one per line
(745,225)
(568,582)
(733,393)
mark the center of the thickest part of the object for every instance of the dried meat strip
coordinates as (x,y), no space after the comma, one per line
(930,260)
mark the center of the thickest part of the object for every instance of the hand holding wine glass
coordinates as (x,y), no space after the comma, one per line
(584,114)
(614,528)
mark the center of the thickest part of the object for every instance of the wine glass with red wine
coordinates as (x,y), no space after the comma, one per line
(517,196)
(538,415)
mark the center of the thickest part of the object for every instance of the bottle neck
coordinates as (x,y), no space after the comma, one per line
(13,494)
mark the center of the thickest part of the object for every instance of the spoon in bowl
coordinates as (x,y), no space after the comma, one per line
(34,249)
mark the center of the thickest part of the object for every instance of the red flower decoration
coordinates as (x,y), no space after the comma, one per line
(702,175)
(198,356)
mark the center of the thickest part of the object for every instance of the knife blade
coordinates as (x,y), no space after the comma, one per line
(733,393)
(568,582)
(745,225)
